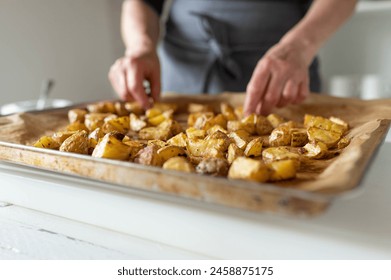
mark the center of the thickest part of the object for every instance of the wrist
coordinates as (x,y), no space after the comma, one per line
(140,46)
(301,43)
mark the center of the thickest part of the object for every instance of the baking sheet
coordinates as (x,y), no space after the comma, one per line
(309,194)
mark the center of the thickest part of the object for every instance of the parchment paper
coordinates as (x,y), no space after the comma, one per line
(369,122)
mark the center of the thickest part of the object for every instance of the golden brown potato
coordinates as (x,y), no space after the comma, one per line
(249,169)
(234,152)
(199,108)
(75,126)
(112,148)
(207,148)
(136,124)
(76,143)
(120,109)
(95,136)
(239,112)
(282,170)
(164,106)
(179,140)
(94,120)
(61,136)
(134,107)
(250,123)
(135,147)
(102,107)
(194,133)
(178,164)
(298,137)
(218,135)
(254,148)
(47,142)
(275,120)
(315,150)
(158,143)
(240,137)
(263,126)
(228,111)
(329,138)
(76,115)
(278,153)
(213,166)
(168,152)
(280,136)
(192,118)
(323,123)
(121,124)
(216,128)
(149,156)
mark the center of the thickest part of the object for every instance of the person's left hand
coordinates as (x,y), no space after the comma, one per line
(280,78)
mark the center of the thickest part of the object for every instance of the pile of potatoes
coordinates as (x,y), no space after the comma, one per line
(220,142)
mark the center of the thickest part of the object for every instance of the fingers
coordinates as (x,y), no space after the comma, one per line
(256,88)
(273,93)
(289,94)
(135,85)
(127,77)
(117,77)
(154,81)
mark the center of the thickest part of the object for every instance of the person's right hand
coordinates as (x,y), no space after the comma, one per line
(128,73)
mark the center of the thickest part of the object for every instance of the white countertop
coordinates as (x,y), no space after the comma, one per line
(85,220)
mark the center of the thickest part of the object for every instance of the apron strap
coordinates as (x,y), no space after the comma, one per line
(217,32)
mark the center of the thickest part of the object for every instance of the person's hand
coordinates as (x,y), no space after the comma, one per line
(280,78)
(128,73)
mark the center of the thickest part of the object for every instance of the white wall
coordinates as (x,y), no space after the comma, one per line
(362,46)
(72,41)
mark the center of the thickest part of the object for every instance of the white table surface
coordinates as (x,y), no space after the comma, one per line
(56,217)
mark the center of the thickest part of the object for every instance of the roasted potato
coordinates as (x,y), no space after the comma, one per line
(102,107)
(325,124)
(149,156)
(278,153)
(179,140)
(298,137)
(282,170)
(178,164)
(228,111)
(120,124)
(47,142)
(168,152)
(75,126)
(95,136)
(280,136)
(136,124)
(213,166)
(192,118)
(134,107)
(61,136)
(110,147)
(328,137)
(254,148)
(344,142)
(249,169)
(199,108)
(240,137)
(76,115)
(194,133)
(207,148)
(275,120)
(315,150)
(120,109)
(263,126)
(76,143)
(94,120)
(234,152)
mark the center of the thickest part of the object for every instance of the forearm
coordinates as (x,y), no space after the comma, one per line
(140,27)
(321,21)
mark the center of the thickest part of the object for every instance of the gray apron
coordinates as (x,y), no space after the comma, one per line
(212,46)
